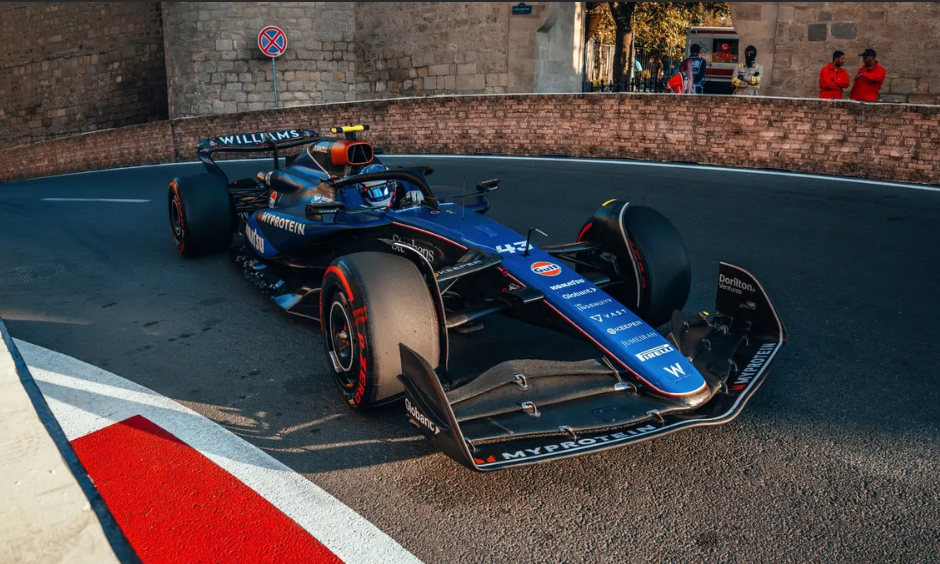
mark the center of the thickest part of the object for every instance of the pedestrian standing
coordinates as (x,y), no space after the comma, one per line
(833,78)
(869,78)
(746,80)
(698,69)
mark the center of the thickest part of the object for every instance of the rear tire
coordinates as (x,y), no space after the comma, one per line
(371,302)
(662,266)
(201,214)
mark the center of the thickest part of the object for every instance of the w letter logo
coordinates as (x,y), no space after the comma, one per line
(675,370)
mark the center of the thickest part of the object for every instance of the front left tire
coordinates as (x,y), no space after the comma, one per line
(370,303)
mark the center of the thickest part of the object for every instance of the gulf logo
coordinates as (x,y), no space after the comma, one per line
(546,268)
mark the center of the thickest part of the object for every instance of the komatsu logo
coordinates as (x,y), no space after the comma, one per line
(733,285)
(753,368)
(288,225)
(569,284)
(255,239)
(420,417)
(581,444)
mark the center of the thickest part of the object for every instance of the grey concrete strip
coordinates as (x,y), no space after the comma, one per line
(45,516)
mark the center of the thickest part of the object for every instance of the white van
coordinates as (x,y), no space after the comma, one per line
(720,48)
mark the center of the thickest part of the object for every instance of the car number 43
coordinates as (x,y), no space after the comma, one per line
(512,248)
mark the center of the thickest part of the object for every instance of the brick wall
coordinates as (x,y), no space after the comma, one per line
(795,39)
(888,142)
(214,65)
(75,67)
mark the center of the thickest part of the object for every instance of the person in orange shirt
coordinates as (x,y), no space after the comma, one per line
(833,78)
(681,82)
(869,79)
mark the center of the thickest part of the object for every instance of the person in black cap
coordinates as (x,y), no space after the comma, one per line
(746,80)
(869,78)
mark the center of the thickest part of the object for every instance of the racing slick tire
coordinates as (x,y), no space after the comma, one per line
(201,214)
(662,265)
(371,302)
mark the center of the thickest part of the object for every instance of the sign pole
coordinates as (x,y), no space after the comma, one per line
(273,42)
(274,70)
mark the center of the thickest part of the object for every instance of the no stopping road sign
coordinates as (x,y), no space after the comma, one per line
(272,41)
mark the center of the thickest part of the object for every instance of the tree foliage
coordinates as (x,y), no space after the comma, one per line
(659,27)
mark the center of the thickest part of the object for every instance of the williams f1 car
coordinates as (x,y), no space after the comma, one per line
(388,267)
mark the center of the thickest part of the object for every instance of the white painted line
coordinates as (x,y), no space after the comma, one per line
(682,166)
(156,165)
(85,399)
(109,200)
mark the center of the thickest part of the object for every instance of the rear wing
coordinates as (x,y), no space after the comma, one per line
(252,142)
(263,141)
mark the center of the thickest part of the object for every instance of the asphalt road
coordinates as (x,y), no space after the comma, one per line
(835,459)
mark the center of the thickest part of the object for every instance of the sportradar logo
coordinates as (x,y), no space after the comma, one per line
(546,268)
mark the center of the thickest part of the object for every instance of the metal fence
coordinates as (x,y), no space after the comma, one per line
(649,73)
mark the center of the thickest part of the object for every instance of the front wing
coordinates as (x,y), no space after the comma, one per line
(527,412)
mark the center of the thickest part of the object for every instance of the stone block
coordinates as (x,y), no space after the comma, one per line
(824,16)
(746,11)
(471,82)
(430,83)
(223,45)
(450,82)
(922,99)
(903,86)
(844,30)
(438,70)
(467,68)
(893,98)
(818,32)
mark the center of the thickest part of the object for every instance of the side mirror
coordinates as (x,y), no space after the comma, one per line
(488,185)
(316,210)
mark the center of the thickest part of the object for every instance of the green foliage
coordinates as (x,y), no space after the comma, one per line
(661,27)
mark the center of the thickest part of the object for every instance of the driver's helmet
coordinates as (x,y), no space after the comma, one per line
(376,193)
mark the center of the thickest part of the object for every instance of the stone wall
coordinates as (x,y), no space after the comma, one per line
(880,141)
(796,39)
(75,67)
(426,48)
(214,65)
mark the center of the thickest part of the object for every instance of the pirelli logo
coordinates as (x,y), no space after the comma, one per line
(654,352)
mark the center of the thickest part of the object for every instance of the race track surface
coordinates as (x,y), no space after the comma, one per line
(835,459)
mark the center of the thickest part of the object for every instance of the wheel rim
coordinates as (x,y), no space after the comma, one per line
(176,221)
(341,341)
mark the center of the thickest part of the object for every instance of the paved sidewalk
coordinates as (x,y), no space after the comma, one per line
(45,516)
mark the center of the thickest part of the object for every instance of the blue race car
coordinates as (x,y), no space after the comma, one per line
(388,267)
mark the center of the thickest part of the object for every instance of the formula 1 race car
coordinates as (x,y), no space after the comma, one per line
(387,267)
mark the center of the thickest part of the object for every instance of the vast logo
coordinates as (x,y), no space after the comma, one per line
(255,239)
(602,316)
(654,352)
(733,285)
(546,268)
(288,225)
